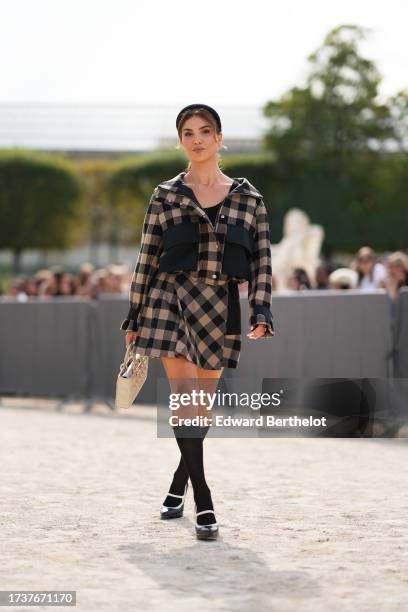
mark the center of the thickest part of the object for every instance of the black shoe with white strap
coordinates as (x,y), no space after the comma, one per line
(209,531)
(167,512)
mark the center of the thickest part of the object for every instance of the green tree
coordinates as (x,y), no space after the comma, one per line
(336,113)
(330,140)
(39,202)
(96,222)
(130,186)
(398,105)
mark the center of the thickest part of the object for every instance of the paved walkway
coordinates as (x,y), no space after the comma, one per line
(305,525)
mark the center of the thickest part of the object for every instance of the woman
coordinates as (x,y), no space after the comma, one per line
(203,233)
(397,268)
(371,273)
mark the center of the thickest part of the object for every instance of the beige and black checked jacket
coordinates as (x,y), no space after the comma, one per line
(179,236)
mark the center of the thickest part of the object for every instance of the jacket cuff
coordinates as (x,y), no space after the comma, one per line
(130,323)
(261,314)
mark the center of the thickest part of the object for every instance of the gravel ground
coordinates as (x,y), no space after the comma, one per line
(305,524)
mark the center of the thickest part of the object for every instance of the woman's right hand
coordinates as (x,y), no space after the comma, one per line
(130,336)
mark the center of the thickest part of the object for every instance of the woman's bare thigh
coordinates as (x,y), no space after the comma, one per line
(208,381)
(178,368)
(185,377)
(182,376)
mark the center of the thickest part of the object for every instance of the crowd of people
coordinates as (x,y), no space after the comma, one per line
(367,271)
(88,282)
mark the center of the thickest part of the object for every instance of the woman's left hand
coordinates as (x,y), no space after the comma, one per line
(258,331)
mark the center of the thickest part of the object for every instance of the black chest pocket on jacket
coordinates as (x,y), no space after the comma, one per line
(180,248)
(238,250)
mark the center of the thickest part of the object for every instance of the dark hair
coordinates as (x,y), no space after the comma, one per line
(302,278)
(210,109)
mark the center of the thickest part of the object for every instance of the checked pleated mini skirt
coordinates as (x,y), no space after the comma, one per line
(185,316)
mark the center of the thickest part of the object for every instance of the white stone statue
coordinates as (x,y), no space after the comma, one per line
(299,248)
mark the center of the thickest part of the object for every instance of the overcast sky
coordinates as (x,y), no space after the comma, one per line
(175,52)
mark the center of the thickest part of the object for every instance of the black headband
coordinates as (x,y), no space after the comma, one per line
(194,106)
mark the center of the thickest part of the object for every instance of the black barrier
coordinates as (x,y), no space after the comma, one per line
(45,347)
(400,335)
(72,347)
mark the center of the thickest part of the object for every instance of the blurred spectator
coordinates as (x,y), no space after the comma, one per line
(85,278)
(23,287)
(31,287)
(19,288)
(397,277)
(299,280)
(343,278)
(58,279)
(370,272)
(69,284)
(117,278)
(322,276)
(43,279)
(100,283)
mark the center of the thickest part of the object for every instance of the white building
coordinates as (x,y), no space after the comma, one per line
(115,129)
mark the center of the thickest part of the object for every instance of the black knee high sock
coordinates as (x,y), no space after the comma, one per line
(181,475)
(192,452)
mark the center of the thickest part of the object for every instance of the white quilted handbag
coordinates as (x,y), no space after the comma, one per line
(132,375)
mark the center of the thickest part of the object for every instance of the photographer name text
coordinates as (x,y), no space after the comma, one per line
(259,421)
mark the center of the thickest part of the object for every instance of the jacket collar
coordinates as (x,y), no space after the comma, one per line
(177,185)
